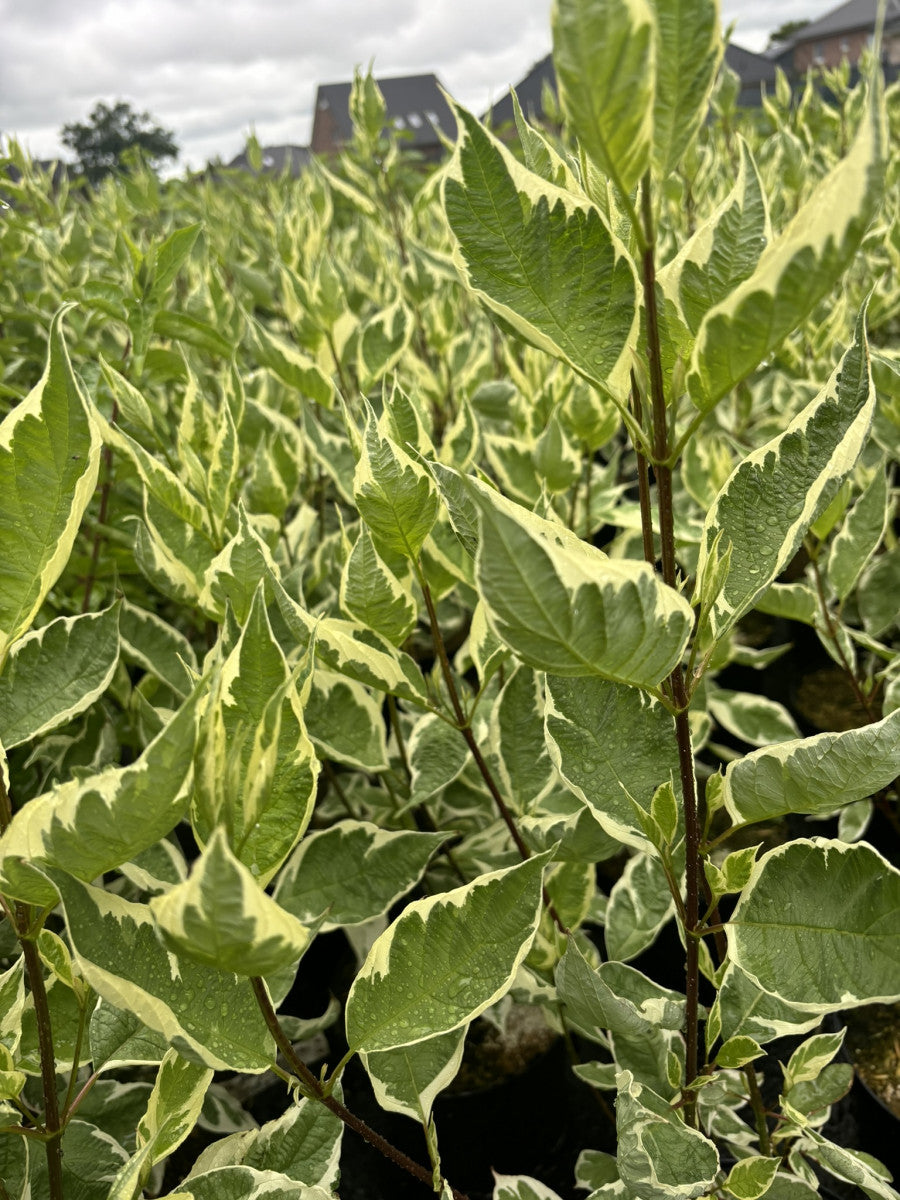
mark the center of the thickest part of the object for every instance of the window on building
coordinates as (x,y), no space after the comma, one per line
(415,120)
(433,117)
(818,52)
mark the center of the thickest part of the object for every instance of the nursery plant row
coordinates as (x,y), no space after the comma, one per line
(433,568)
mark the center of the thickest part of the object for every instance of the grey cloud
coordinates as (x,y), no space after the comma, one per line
(210,70)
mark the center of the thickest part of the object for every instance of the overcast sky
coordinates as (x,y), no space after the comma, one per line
(209,69)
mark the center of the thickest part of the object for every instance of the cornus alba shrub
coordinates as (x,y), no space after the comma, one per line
(372,545)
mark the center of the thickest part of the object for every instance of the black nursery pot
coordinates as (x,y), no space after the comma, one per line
(878,1123)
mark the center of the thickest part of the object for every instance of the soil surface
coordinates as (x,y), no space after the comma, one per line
(873,1043)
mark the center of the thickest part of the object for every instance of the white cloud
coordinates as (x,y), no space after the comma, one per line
(209,70)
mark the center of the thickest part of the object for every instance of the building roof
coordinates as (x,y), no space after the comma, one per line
(751,67)
(753,70)
(276,159)
(415,106)
(855,14)
(529,90)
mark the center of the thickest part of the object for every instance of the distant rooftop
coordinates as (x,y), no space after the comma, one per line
(276,159)
(855,14)
(415,106)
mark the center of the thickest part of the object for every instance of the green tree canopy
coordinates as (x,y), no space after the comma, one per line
(786,31)
(102,142)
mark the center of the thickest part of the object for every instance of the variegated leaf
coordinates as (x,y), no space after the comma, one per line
(221,917)
(49,461)
(56,672)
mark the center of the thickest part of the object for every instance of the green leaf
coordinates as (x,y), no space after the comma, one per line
(859,536)
(611,744)
(173,1108)
(846,1165)
(811,1057)
(303,1144)
(49,461)
(372,594)
(221,917)
(149,641)
(817,926)
(564,607)
(737,1052)
(408,1079)
(640,904)
(395,496)
(688,53)
(795,270)
(345,722)
(352,872)
(445,959)
(605,53)
(91,825)
(437,754)
(233,576)
(776,492)
(521,1187)
(539,256)
(657,1154)
(814,775)
(752,1177)
(207,1016)
(755,719)
(56,672)
(517,738)
(120,1039)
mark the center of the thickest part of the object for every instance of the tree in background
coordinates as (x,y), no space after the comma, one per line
(101,144)
(785,31)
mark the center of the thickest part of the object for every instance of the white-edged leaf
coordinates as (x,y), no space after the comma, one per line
(814,775)
(352,872)
(564,607)
(605,58)
(207,1016)
(612,744)
(49,462)
(795,270)
(56,672)
(407,1079)
(221,917)
(775,493)
(445,959)
(540,256)
(818,926)
(657,1154)
(91,825)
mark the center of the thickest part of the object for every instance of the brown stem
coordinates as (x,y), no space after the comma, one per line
(316,1091)
(394,718)
(831,630)
(35,971)
(759,1109)
(693,869)
(643,472)
(462,723)
(331,776)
